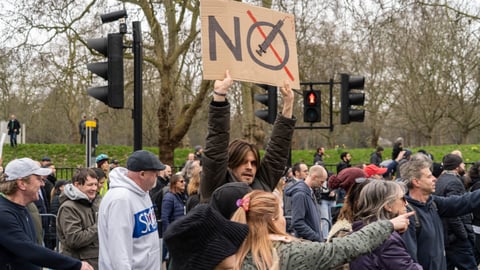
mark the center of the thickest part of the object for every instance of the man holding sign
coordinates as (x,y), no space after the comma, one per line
(240,160)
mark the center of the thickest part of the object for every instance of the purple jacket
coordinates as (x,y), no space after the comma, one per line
(392,254)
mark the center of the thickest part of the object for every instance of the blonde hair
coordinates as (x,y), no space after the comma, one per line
(9,187)
(259,213)
(193,185)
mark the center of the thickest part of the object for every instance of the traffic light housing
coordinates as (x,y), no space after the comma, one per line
(351,98)
(311,106)
(111,70)
(270,100)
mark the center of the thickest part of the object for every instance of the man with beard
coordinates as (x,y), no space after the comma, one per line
(458,231)
(156,193)
(240,160)
(345,159)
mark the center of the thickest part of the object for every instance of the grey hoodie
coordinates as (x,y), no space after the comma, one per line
(72,193)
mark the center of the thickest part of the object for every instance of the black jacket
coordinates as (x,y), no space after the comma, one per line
(376,158)
(342,165)
(13,126)
(455,228)
(215,171)
(476,212)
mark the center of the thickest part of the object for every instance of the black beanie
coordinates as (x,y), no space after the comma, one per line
(203,239)
(224,199)
(451,161)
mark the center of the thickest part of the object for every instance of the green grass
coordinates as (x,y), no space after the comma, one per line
(73,155)
(65,155)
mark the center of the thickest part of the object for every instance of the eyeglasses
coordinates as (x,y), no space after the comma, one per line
(39,178)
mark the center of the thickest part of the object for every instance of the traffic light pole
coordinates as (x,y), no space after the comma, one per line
(330,126)
(89,144)
(137,86)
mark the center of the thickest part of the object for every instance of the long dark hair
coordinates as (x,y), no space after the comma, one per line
(238,149)
(173,182)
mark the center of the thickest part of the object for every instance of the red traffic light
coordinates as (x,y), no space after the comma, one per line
(312,99)
(311,106)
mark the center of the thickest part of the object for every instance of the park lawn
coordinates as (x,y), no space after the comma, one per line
(73,155)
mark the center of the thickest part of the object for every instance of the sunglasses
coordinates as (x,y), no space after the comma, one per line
(362,179)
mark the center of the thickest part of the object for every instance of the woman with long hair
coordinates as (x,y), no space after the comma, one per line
(382,200)
(350,181)
(191,168)
(173,204)
(193,185)
(268,246)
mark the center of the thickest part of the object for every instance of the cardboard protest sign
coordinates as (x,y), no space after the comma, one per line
(255,44)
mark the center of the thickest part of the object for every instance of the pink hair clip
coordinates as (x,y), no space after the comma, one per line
(244,203)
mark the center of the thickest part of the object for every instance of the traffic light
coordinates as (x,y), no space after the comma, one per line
(112,70)
(311,106)
(270,100)
(349,99)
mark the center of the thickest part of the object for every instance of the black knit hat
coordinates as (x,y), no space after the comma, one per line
(451,161)
(224,199)
(203,239)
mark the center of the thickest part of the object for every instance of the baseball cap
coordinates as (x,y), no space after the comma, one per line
(101,157)
(23,167)
(143,160)
(45,158)
(373,169)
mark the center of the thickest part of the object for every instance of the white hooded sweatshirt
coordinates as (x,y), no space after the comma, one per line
(127,226)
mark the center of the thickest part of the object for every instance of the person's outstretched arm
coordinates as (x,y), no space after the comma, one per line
(315,255)
(215,156)
(277,150)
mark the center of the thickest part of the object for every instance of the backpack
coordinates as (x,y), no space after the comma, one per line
(418,223)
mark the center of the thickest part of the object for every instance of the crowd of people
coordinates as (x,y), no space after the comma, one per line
(231,208)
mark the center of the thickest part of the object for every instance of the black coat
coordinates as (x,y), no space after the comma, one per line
(270,168)
(455,228)
(13,126)
(476,212)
